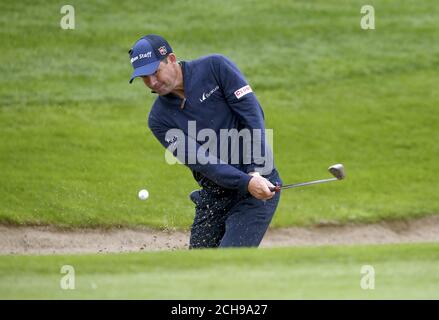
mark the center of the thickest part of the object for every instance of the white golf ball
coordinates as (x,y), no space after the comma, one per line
(143,194)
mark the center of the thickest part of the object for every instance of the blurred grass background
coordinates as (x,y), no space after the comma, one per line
(74,143)
(406,271)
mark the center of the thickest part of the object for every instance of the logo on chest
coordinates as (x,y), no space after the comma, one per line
(208,94)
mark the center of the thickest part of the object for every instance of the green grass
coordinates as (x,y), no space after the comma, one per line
(74,143)
(401,272)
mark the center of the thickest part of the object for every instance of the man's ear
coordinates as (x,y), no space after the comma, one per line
(172,58)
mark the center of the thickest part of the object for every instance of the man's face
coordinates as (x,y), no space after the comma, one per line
(164,80)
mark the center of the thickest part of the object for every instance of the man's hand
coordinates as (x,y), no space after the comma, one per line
(259,187)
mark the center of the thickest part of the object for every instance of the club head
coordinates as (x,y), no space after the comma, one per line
(337,170)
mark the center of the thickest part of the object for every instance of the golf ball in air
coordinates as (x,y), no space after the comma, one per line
(143,194)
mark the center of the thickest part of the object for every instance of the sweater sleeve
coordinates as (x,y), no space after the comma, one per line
(185,149)
(243,102)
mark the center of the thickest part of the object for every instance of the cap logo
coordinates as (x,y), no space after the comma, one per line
(141,56)
(145,55)
(163,50)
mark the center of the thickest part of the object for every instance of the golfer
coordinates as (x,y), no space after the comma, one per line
(198,101)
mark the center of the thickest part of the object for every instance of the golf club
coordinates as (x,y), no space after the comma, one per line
(337,170)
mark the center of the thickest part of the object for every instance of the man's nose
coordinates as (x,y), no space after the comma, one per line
(151,80)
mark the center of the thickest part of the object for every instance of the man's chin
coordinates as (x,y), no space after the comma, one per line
(160,92)
(163,92)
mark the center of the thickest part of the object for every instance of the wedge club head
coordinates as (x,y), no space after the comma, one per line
(337,170)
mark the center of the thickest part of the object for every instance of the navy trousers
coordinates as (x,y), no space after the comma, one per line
(223,218)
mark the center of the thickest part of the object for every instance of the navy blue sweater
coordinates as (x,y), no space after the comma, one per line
(217,97)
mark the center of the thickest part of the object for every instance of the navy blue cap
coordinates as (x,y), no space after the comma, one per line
(147,53)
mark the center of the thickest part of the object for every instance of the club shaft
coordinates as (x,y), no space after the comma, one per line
(288,186)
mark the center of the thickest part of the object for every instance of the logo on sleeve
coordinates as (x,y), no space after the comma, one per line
(243,91)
